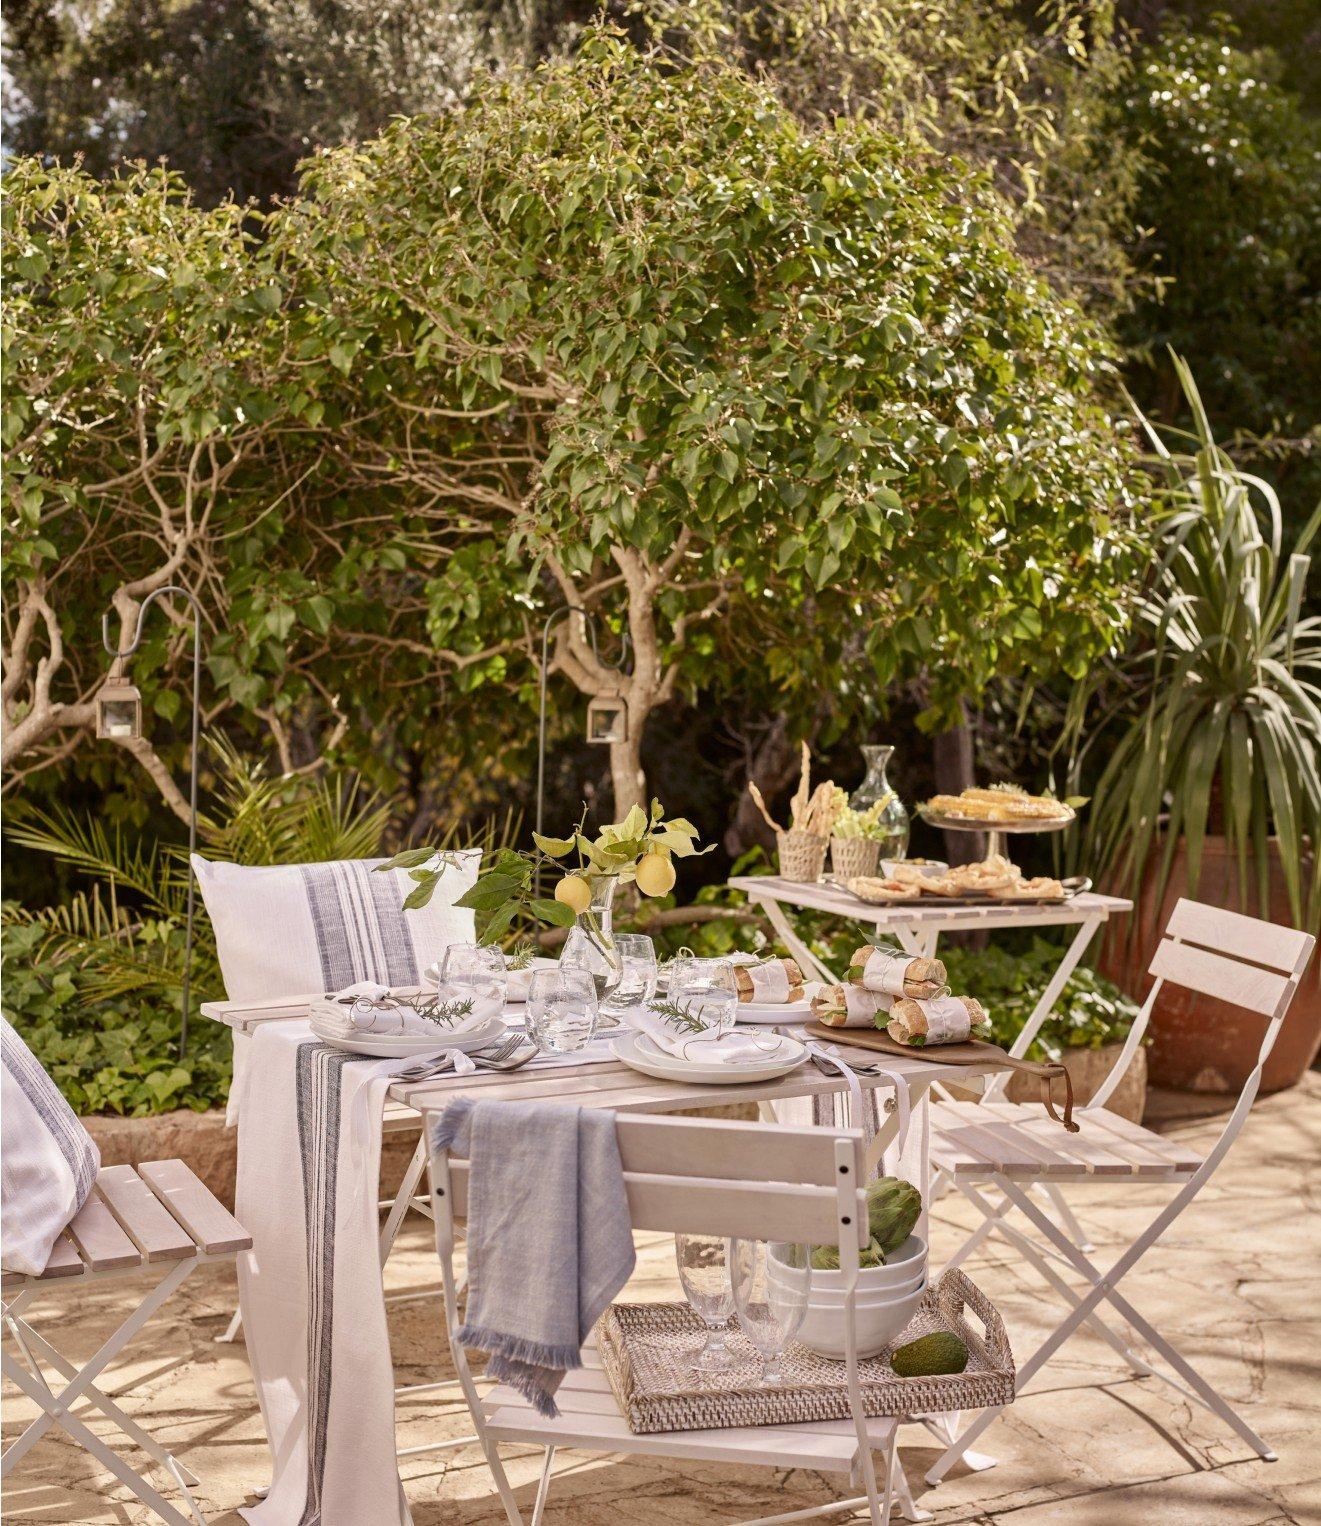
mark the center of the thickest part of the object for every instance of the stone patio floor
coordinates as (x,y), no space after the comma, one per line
(1235,1284)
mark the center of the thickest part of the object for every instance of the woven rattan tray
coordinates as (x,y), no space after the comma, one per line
(647,1351)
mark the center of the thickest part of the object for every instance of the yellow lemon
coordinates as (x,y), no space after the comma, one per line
(575,892)
(655,874)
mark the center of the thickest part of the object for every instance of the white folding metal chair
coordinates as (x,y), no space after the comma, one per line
(697,1176)
(158,1218)
(1010,1148)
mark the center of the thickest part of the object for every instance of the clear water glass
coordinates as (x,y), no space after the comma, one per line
(637,974)
(475,972)
(703,1262)
(771,1281)
(705,989)
(561,1009)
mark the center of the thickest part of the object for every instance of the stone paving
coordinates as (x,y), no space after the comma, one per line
(1235,1284)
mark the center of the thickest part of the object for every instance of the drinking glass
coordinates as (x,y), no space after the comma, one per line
(637,974)
(704,1273)
(474,971)
(705,989)
(771,1281)
(561,1009)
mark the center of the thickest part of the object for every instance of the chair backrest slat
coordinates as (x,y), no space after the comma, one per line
(1198,969)
(732,1151)
(1238,936)
(693,1205)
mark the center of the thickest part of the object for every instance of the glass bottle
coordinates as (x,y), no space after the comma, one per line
(590,945)
(892,818)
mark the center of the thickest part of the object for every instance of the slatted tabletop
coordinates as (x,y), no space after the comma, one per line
(929,914)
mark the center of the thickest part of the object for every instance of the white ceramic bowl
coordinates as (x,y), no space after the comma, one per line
(931,868)
(901,1265)
(833,1298)
(878,1324)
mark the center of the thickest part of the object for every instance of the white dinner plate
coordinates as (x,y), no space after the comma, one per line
(785,1012)
(667,1067)
(402,1046)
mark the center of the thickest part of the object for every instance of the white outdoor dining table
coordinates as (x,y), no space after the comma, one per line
(917,925)
(605,1084)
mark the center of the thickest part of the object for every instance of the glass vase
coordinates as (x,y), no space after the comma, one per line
(892,823)
(590,945)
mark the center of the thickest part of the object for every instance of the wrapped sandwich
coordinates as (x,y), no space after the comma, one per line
(897,974)
(849,1006)
(773,980)
(942,1020)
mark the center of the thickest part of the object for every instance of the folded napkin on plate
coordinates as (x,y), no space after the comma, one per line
(370,1008)
(549,1236)
(739,1046)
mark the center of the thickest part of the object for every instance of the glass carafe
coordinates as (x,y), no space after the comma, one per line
(892,818)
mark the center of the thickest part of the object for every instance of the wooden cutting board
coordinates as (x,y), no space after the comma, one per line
(970,1052)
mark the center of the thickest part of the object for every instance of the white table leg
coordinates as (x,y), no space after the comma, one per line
(789,937)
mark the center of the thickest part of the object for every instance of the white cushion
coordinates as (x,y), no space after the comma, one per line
(48,1161)
(302,929)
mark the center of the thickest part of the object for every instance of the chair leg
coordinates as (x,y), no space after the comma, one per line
(93,1444)
(543,1487)
(231,1330)
(1032,1253)
(1072,1227)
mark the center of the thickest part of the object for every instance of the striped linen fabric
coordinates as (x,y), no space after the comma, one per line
(287,930)
(49,1160)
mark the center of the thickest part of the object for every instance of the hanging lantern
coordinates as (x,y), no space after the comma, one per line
(607,719)
(118,709)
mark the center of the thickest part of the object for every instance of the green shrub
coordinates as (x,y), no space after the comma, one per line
(108,1055)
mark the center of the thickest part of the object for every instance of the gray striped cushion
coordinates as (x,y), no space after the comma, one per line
(49,1160)
(302,929)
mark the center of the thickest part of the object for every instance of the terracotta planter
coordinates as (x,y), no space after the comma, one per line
(1199,1043)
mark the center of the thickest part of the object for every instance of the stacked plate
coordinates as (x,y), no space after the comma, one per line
(637,1050)
(402,1046)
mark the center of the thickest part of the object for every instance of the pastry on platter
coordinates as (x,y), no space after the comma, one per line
(1043,888)
(880,892)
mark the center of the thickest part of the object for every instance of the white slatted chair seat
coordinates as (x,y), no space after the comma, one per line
(590,1418)
(1021,1141)
(157,1218)
(999,1154)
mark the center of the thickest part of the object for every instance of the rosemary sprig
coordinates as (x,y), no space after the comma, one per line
(443,1013)
(675,1016)
(521,955)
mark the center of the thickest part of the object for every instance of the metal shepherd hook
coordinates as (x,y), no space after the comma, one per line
(182,593)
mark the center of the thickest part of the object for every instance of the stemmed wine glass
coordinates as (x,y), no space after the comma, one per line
(704,1273)
(770,1281)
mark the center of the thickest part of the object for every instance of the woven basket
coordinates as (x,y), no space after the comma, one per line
(802,855)
(853,858)
(648,1350)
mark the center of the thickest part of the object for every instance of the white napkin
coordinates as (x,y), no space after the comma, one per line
(740,1046)
(360,1008)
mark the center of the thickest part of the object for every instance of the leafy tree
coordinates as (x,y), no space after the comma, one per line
(1233,202)
(636,339)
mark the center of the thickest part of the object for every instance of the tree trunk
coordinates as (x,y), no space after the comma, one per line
(627,780)
(771,766)
(951,753)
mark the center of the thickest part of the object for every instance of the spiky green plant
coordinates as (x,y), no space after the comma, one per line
(1218,712)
